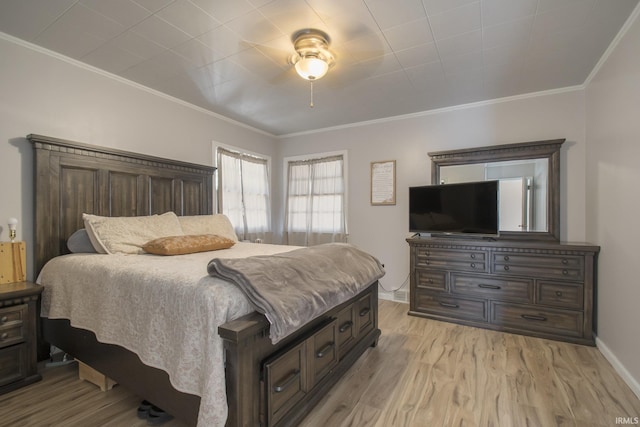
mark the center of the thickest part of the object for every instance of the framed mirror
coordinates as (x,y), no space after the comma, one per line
(529,183)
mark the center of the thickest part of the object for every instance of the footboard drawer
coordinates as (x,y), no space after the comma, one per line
(346,329)
(286,381)
(324,352)
(365,314)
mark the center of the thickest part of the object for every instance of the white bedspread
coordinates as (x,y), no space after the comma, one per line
(165,309)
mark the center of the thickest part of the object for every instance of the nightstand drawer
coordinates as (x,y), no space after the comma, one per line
(13,364)
(12,325)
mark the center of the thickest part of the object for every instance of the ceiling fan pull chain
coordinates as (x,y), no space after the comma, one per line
(311,84)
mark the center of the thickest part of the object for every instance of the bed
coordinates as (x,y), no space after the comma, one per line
(266,383)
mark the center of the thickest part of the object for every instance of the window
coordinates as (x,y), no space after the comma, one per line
(243,193)
(316,201)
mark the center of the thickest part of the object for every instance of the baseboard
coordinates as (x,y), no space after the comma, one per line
(385,295)
(633,384)
(396,296)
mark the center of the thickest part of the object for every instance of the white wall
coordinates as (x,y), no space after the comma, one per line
(46,95)
(382,230)
(613,200)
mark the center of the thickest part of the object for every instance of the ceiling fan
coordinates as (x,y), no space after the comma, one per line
(313,58)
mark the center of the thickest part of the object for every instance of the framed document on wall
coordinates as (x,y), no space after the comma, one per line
(383,183)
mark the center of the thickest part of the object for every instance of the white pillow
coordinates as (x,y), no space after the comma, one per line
(208,224)
(127,235)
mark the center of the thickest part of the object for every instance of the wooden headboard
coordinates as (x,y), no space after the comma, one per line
(74,178)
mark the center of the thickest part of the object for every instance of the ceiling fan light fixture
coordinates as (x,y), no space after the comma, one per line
(311,67)
(313,58)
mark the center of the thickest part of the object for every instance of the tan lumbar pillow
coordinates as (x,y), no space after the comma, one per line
(180,245)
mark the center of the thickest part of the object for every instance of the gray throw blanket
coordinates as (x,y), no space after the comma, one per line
(295,287)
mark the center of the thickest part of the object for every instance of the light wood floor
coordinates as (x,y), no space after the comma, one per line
(423,373)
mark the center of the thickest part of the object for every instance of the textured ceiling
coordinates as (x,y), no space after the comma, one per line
(394,57)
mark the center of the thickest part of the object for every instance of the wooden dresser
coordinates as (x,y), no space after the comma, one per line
(18,365)
(533,288)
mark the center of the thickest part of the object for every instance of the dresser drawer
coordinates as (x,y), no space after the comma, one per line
(550,266)
(324,354)
(452,259)
(562,295)
(285,381)
(527,318)
(13,364)
(431,279)
(517,290)
(13,325)
(449,306)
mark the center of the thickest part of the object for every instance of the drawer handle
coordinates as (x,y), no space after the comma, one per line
(506,268)
(282,387)
(565,272)
(484,286)
(346,326)
(473,256)
(4,336)
(364,311)
(532,317)
(558,293)
(449,305)
(324,350)
(565,261)
(4,319)
(506,257)
(473,265)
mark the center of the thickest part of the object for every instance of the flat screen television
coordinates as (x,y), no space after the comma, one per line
(465,209)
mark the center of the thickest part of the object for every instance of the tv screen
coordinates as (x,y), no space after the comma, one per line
(465,208)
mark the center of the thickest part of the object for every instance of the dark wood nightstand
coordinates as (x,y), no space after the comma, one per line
(18,311)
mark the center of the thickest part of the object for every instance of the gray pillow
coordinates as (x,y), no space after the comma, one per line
(79,243)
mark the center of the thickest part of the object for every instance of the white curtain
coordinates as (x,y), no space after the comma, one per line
(243,194)
(316,205)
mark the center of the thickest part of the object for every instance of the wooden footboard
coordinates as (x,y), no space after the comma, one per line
(316,358)
(340,337)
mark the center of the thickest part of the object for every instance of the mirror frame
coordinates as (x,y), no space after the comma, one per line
(549,149)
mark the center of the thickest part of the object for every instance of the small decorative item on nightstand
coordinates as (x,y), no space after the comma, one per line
(13,265)
(13,225)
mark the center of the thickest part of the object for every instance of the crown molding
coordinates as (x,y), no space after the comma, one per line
(614,43)
(438,111)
